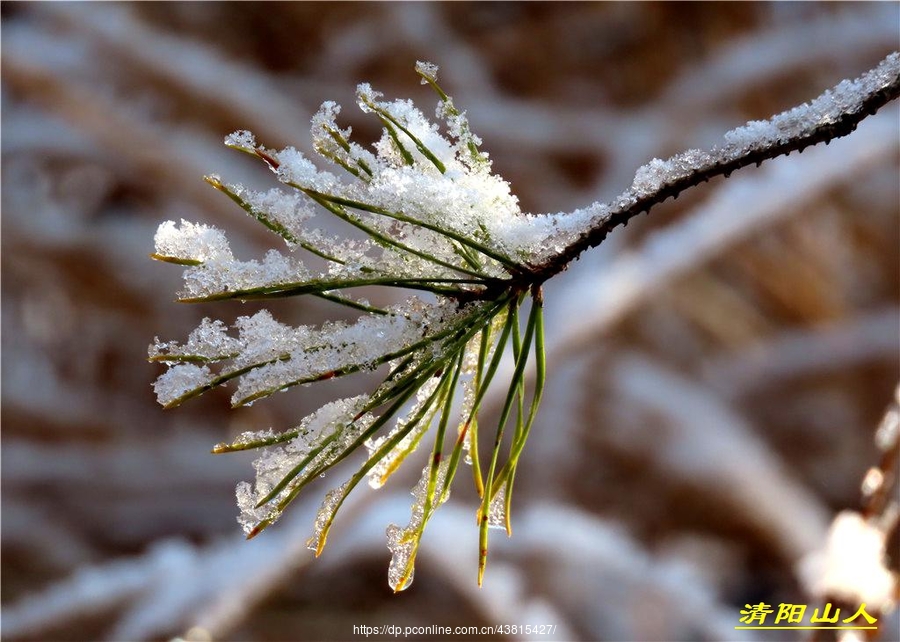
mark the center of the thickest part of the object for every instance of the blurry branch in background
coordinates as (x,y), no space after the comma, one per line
(704,429)
(860,564)
(214,586)
(79,91)
(793,353)
(189,67)
(879,499)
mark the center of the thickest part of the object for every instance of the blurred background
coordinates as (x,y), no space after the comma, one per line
(717,369)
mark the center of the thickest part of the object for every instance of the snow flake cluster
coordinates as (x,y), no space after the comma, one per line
(428,203)
(268,356)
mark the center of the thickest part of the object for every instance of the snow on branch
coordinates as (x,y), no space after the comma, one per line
(742,207)
(833,114)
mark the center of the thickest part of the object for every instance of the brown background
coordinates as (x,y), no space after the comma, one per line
(694,443)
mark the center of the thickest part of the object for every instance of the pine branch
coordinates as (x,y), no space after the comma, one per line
(437,220)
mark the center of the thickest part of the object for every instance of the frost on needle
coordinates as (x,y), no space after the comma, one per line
(437,223)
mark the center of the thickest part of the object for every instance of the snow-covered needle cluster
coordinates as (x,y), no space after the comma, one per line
(435,220)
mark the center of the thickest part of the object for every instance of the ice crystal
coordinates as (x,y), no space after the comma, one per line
(242,140)
(323,434)
(404,542)
(334,143)
(468,403)
(179,379)
(214,278)
(289,211)
(294,168)
(191,242)
(209,342)
(497,510)
(401,545)
(247,439)
(410,428)
(327,510)
(427,70)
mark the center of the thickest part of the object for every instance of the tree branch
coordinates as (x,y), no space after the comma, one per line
(834,114)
